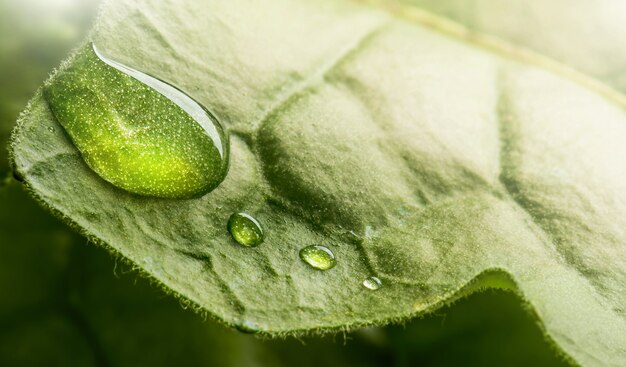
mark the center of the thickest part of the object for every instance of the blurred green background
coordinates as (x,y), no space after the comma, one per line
(66,302)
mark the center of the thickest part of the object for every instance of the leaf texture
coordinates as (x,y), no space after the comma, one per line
(418,156)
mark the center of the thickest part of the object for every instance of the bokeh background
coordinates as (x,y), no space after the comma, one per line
(67,302)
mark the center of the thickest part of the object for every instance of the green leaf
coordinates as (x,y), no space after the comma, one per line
(588,36)
(61,297)
(416,155)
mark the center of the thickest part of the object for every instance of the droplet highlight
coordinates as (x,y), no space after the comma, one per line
(318,257)
(372,283)
(245,229)
(138,132)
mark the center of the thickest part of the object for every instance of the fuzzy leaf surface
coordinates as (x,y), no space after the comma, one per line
(415,154)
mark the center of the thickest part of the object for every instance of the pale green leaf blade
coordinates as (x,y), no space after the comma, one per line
(588,35)
(415,155)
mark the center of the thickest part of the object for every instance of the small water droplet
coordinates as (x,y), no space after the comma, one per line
(319,257)
(152,265)
(372,283)
(51,129)
(18,176)
(136,131)
(245,229)
(352,236)
(247,327)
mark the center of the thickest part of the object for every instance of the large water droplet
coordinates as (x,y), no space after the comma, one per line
(138,132)
(372,283)
(245,229)
(319,257)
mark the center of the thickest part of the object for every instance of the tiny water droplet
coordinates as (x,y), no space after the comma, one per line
(245,229)
(372,283)
(247,327)
(136,131)
(51,129)
(318,257)
(352,236)
(18,176)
